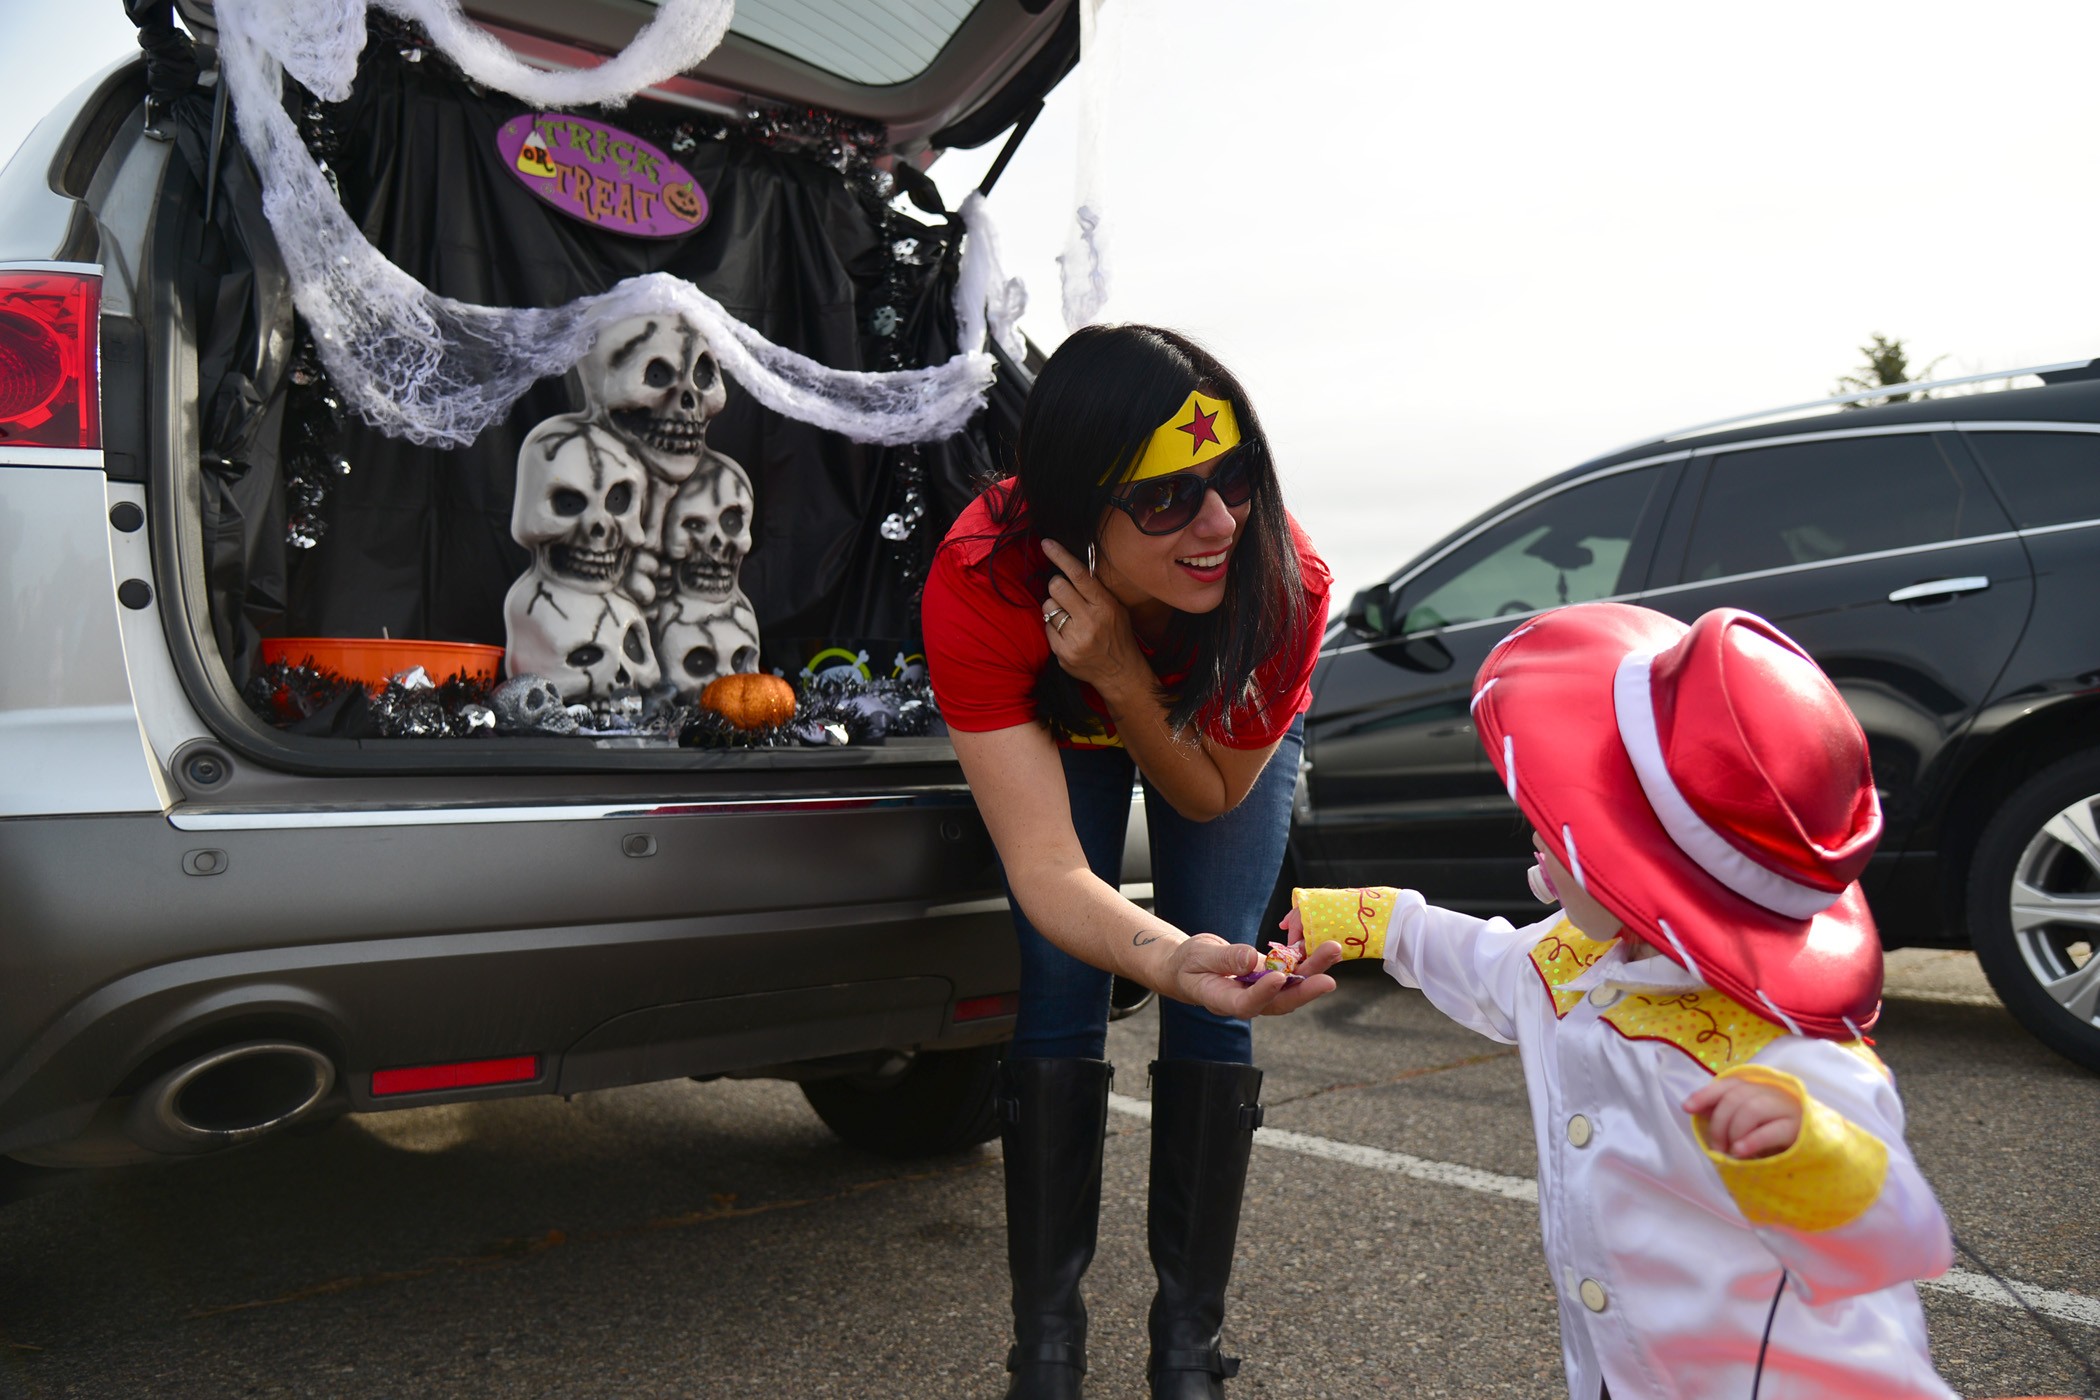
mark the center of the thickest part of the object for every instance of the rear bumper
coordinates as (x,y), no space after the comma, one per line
(386,948)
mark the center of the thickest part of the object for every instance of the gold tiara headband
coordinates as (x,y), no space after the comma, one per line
(1201,430)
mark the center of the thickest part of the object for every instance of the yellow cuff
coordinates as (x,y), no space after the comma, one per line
(1356,919)
(1828,1178)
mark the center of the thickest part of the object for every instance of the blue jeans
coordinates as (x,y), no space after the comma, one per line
(1207,877)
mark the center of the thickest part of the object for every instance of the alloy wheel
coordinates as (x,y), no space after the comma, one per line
(2055,905)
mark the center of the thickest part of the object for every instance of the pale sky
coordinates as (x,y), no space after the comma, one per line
(1454,248)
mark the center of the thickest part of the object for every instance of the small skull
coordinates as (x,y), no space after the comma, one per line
(578,504)
(699,644)
(654,381)
(589,644)
(707,531)
(530,705)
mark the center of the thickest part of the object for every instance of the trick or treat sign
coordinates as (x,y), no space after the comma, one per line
(602,176)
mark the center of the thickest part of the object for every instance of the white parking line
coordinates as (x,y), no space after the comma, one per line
(2051,1302)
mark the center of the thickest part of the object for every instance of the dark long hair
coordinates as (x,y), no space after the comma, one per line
(1093,410)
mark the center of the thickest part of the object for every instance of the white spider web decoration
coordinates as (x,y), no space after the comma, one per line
(436,371)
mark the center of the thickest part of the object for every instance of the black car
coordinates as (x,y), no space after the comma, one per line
(1939,557)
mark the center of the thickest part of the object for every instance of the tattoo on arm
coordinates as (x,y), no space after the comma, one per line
(1139,940)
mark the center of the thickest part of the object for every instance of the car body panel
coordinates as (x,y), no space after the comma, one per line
(69,734)
(437,941)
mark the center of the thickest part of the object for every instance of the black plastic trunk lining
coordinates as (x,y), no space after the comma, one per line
(232,288)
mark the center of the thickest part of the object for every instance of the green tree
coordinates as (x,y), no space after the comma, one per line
(1888,362)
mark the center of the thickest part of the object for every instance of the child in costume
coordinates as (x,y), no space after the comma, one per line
(1728,1204)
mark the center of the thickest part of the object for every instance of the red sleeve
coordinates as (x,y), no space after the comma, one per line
(983,651)
(1287,675)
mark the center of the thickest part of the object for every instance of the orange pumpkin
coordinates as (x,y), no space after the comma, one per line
(750,701)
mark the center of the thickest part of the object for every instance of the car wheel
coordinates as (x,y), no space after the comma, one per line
(919,1105)
(1126,998)
(2034,906)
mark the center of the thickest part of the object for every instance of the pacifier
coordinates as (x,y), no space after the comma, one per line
(1541,883)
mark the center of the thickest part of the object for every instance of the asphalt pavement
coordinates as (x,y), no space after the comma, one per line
(713,1240)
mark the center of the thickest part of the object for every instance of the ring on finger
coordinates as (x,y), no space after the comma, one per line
(1061,619)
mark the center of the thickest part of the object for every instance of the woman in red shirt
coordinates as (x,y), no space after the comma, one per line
(1136,601)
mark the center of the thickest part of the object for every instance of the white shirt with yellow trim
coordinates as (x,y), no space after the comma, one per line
(1664,1282)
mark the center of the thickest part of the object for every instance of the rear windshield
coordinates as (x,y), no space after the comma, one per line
(876,42)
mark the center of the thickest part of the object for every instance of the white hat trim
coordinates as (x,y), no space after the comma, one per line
(1634,701)
(1784,1019)
(1682,951)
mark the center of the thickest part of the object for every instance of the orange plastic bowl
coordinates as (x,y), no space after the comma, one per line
(375,661)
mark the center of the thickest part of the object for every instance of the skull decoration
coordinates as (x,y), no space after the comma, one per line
(578,508)
(591,645)
(530,705)
(707,531)
(598,494)
(701,642)
(708,628)
(654,381)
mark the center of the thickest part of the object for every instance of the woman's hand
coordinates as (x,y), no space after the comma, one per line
(1089,632)
(1204,968)
(1746,1119)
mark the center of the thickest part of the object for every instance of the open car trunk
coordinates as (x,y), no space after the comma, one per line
(297,520)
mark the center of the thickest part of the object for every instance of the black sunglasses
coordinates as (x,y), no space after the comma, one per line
(1160,505)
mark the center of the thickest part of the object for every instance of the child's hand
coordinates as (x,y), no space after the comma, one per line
(1319,959)
(1747,1119)
(1293,928)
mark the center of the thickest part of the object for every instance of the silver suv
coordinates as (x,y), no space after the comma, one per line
(215,926)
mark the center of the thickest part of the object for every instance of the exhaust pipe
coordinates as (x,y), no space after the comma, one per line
(230,1096)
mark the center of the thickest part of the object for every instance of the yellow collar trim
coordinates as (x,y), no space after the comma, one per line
(1201,430)
(1562,956)
(1709,1026)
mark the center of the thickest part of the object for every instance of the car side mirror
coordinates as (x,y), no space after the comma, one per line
(1367,616)
(1425,651)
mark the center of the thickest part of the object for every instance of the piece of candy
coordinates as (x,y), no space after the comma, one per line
(1248,979)
(1281,957)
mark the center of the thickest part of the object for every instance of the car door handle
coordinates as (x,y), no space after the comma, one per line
(1940,588)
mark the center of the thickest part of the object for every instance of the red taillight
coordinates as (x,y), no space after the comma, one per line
(49,378)
(979,1008)
(465,1074)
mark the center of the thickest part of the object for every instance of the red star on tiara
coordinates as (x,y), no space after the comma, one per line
(1199,429)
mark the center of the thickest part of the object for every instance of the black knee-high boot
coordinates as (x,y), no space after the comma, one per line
(1054,1114)
(1203,1120)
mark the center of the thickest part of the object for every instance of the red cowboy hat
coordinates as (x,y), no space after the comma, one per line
(1706,784)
